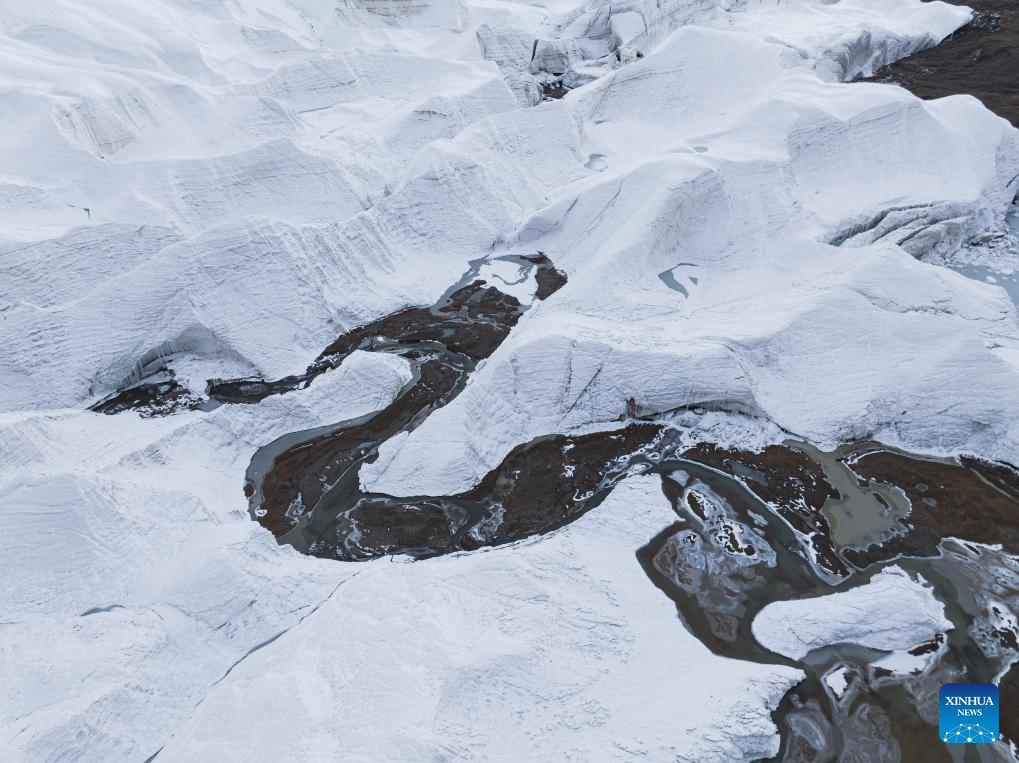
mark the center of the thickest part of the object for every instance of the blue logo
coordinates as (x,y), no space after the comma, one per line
(968,713)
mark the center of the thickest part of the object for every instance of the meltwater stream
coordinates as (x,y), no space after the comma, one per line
(788,523)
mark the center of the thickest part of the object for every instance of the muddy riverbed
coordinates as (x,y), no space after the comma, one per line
(981,59)
(471,319)
(754,528)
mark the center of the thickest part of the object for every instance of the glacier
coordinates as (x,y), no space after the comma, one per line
(755,248)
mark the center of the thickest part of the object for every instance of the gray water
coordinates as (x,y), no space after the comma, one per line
(1007,281)
(903,702)
(861,516)
(1006,278)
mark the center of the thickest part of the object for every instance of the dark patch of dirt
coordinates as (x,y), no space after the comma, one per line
(472,321)
(553,91)
(974,500)
(255,390)
(549,278)
(538,487)
(551,481)
(301,475)
(152,399)
(421,528)
(981,59)
(789,481)
(928,647)
(1003,476)
(444,341)
(1007,636)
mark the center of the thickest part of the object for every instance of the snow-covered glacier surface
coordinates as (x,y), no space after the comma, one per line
(892,611)
(221,189)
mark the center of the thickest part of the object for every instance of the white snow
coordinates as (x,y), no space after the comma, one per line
(554,649)
(132,577)
(893,611)
(145,611)
(830,342)
(837,680)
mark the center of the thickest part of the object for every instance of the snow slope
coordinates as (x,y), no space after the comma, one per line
(132,576)
(555,649)
(754,209)
(156,616)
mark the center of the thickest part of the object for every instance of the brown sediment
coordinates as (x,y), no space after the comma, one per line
(472,321)
(151,399)
(981,59)
(526,494)
(301,475)
(973,500)
(732,557)
(928,647)
(310,496)
(793,484)
(1003,476)
(390,527)
(778,475)
(696,505)
(552,480)
(554,90)
(1007,636)
(548,278)
(886,715)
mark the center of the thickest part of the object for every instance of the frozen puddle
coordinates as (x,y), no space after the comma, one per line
(1007,281)
(1003,269)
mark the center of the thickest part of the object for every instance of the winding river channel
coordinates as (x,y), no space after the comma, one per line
(751,528)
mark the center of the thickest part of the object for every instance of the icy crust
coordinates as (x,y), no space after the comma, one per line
(145,611)
(133,577)
(892,612)
(853,39)
(857,37)
(286,166)
(137,489)
(548,650)
(705,268)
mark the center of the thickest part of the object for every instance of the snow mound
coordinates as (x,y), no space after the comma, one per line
(891,612)
(706,267)
(288,168)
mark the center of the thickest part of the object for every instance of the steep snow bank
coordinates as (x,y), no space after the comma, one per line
(893,611)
